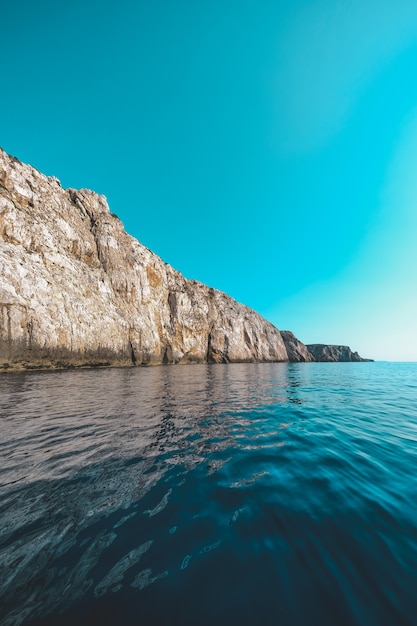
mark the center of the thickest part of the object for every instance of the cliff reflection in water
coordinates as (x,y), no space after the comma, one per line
(117,483)
(80,445)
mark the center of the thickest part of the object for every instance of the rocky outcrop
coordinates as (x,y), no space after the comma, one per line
(299,352)
(324,352)
(77,290)
(296,350)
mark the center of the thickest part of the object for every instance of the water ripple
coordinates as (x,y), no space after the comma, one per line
(281,490)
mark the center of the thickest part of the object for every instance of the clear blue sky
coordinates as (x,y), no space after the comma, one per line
(266,148)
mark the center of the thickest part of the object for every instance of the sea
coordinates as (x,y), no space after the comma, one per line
(250,494)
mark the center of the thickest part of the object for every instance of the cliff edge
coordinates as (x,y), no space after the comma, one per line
(77,290)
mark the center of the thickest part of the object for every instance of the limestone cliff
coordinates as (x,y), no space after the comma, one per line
(324,352)
(77,290)
(296,350)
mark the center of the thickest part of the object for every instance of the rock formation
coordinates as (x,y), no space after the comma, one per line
(77,290)
(296,350)
(324,352)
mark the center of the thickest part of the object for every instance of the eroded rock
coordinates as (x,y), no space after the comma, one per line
(296,350)
(76,290)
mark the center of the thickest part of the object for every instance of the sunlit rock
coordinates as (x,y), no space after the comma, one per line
(77,290)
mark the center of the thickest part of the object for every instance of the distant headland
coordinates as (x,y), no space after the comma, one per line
(77,291)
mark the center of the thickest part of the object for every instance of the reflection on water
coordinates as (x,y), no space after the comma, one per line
(271,493)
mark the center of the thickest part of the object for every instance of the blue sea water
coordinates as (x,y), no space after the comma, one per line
(273,494)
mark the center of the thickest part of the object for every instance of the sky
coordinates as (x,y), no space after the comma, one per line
(266,148)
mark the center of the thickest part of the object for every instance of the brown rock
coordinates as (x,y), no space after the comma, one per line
(296,350)
(324,352)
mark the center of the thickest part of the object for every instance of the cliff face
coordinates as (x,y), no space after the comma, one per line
(77,290)
(323,352)
(296,350)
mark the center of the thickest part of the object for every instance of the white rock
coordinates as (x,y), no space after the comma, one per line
(77,290)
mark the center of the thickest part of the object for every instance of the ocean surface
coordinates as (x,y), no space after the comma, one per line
(270,494)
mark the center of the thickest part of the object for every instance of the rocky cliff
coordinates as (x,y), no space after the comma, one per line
(325,352)
(77,290)
(296,350)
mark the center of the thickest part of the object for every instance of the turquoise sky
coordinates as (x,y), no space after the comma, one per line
(268,149)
